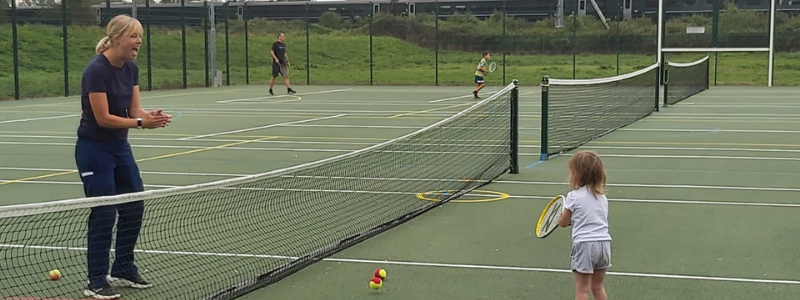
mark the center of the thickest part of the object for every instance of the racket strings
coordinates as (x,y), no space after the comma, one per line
(548,221)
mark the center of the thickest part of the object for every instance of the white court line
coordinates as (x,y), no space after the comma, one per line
(532,145)
(566,128)
(421,264)
(732,114)
(293,149)
(261,127)
(143,172)
(459,97)
(280,96)
(669,186)
(223,90)
(741,106)
(37,119)
(698,157)
(451,98)
(478,194)
(285,110)
(682,148)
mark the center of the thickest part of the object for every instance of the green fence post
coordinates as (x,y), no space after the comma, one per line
(545,105)
(515,128)
(183,41)
(715,35)
(308,48)
(149,57)
(15,48)
(227,46)
(206,33)
(436,40)
(504,43)
(574,44)
(619,18)
(246,46)
(371,62)
(65,42)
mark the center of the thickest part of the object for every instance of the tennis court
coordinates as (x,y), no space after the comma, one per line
(703,192)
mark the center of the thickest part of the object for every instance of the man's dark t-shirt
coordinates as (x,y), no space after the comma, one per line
(101,76)
(280,52)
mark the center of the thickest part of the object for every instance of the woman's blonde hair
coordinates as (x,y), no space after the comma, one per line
(586,169)
(121,25)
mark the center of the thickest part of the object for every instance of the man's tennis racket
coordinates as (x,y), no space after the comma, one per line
(286,69)
(492,67)
(548,221)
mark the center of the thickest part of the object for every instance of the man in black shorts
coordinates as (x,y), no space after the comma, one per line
(280,64)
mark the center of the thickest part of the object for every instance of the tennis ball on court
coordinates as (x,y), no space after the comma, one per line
(375,283)
(380,273)
(55,274)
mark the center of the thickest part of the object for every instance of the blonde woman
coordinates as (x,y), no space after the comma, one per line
(111,105)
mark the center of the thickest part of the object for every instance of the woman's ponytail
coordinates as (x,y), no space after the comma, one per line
(103,45)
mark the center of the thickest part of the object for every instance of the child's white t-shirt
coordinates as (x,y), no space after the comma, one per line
(589,215)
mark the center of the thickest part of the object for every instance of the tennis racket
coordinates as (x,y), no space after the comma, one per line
(548,221)
(492,67)
(285,69)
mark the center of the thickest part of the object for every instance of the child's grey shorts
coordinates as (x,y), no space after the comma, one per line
(589,256)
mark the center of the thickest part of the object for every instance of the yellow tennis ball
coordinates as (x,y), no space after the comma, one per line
(55,274)
(380,273)
(375,283)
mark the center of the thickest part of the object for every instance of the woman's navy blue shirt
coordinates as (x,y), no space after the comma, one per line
(117,83)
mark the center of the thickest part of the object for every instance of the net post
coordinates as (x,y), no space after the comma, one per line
(666,86)
(708,73)
(658,86)
(545,104)
(515,128)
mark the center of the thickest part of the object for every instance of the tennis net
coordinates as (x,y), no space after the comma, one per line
(577,111)
(684,80)
(223,239)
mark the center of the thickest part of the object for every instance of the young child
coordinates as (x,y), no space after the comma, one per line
(481,71)
(586,210)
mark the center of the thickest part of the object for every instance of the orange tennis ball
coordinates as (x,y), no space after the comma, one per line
(375,283)
(55,274)
(380,273)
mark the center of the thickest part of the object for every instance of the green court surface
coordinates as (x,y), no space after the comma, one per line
(703,193)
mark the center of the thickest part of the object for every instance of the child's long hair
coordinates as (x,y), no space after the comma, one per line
(586,169)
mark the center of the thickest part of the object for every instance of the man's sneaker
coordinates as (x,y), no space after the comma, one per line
(291,91)
(101,292)
(136,282)
(271,93)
